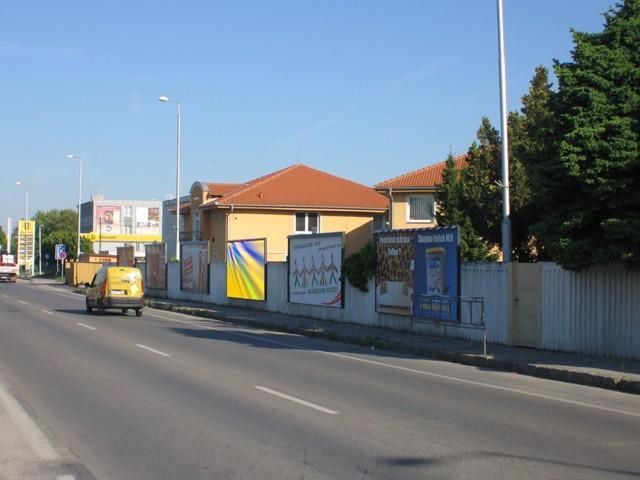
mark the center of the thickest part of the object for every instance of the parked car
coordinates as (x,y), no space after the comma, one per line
(119,288)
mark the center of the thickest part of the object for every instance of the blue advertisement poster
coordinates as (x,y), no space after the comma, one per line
(436,273)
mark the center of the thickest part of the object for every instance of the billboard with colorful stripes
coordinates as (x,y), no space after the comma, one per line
(246,269)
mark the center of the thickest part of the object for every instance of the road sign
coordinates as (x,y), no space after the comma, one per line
(61,251)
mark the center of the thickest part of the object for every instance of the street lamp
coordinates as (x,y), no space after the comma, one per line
(78,157)
(177,102)
(40,249)
(506,210)
(26,198)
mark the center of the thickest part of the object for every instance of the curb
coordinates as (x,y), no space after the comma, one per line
(568,376)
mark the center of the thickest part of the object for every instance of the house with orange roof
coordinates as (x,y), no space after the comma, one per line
(295,200)
(413,195)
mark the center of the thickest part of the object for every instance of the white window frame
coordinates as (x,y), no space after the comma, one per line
(306,223)
(430,196)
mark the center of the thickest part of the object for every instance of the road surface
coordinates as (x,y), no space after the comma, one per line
(168,396)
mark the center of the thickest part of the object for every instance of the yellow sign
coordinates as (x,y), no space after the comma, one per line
(113,237)
(26,242)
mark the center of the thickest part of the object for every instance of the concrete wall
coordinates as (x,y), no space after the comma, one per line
(594,312)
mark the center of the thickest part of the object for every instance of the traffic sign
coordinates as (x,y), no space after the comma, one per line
(61,251)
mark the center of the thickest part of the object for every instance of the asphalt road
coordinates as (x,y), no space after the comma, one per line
(168,396)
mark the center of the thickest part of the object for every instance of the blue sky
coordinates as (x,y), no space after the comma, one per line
(364,90)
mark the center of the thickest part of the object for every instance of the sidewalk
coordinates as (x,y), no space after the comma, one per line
(614,374)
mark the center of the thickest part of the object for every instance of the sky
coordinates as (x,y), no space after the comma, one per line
(363,90)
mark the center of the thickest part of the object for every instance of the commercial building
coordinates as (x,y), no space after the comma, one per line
(110,224)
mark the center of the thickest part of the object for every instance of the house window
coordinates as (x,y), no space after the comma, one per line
(127,230)
(128,211)
(420,208)
(307,223)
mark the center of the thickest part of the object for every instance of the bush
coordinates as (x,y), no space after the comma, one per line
(359,267)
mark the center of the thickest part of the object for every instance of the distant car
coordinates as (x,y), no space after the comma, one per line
(116,288)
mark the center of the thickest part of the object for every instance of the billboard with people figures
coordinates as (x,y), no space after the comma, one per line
(314,266)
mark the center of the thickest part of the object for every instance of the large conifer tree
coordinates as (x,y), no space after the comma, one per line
(591,202)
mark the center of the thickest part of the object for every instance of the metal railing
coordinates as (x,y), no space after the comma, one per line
(457,312)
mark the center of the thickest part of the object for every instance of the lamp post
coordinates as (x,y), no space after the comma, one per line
(506,213)
(40,249)
(78,157)
(177,102)
(26,198)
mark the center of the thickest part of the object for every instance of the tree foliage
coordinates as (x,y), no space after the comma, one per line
(360,267)
(3,239)
(591,200)
(60,226)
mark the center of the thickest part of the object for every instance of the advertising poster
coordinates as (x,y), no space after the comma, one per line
(437,272)
(394,272)
(125,256)
(147,220)
(26,239)
(156,265)
(246,269)
(315,263)
(108,219)
(195,266)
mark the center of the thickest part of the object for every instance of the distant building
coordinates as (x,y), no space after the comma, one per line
(116,223)
(169,225)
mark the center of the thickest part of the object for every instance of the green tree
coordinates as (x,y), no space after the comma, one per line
(451,211)
(60,226)
(531,143)
(591,200)
(3,239)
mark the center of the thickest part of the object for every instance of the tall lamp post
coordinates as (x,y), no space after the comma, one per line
(506,210)
(40,249)
(78,157)
(177,102)
(26,198)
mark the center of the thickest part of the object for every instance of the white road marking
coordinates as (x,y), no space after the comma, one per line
(27,426)
(87,326)
(144,347)
(23,302)
(5,295)
(415,371)
(47,312)
(296,400)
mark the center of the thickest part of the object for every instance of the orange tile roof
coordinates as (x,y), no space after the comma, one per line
(303,186)
(219,189)
(425,177)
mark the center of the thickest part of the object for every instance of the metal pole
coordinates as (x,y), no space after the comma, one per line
(178,185)
(506,214)
(9,221)
(79,199)
(40,249)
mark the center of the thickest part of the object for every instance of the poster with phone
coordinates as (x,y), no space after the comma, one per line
(436,273)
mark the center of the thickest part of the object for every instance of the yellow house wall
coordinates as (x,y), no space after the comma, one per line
(276,226)
(399,213)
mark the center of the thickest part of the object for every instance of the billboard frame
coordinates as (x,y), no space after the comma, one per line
(342,253)
(266,274)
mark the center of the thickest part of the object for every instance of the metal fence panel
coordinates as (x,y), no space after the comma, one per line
(594,312)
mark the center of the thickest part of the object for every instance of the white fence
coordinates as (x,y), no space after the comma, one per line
(595,312)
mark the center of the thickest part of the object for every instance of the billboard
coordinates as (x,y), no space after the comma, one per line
(26,239)
(125,256)
(194,271)
(147,220)
(314,266)
(246,269)
(436,272)
(108,219)
(156,265)
(394,272)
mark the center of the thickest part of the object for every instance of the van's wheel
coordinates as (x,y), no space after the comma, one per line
(138,312)
(125,310)
(89,309)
